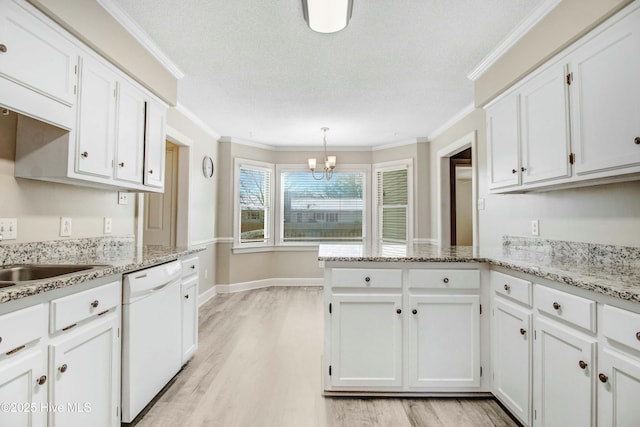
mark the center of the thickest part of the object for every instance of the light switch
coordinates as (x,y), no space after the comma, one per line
(535,227)
(107,225)
(9,228)
(123,198)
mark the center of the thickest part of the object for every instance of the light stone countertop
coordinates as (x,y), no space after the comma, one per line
(608,270)
(123,257)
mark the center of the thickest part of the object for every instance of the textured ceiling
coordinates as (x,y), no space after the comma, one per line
(255,71)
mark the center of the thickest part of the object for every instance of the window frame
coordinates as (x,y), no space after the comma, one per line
(375,215)
(238,246)
(364,169)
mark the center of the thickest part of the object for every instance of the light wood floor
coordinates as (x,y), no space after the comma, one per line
(258,364)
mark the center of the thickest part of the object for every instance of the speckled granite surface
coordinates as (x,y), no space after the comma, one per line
(608,270)
(112,255)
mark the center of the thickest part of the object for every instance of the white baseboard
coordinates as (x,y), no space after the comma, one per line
(266,283)
(429,241)
(207,295)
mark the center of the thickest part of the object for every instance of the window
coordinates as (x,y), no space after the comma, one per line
(393,195)
(254,201)
(321,211)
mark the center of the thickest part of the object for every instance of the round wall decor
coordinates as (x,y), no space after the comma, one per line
(207,166)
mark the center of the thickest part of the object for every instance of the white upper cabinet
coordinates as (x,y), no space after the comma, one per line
(96,119)
(577,118)
(27,41)
(605,96)
(503,142)
(130,126)
(544,113)
(154,145)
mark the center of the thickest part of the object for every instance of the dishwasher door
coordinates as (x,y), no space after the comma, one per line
(151,339)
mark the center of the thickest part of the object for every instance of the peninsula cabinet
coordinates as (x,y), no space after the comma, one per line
(27,41)
(569,123)
(390,328)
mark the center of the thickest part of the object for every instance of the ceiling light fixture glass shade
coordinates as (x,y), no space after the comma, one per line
(327,16)
(329,161)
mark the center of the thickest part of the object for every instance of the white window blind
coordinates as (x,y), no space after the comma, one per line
(254,198)
(321,211)
(393,205)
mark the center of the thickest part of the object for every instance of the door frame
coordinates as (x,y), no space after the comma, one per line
(443,184)
(184,144)
(452,194)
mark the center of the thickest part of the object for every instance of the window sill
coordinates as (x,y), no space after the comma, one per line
(277,248)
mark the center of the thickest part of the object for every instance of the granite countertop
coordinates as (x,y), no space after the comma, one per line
(111,259)
(608,270)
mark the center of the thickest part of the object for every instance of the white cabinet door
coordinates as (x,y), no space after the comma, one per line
(84,367)
(34,55)
(189,319)
(618,389)
(503,143)
(155,143)
(605,97)
(564,389)
(95,145)
(544,113)
(444,341)
(511,353)
(129,133)
(23,389)
(366,340)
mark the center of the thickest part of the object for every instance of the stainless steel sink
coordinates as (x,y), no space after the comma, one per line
(27,272)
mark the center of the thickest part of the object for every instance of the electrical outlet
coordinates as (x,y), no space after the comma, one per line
(535,227)
(107,225)
(123,198)
(65,227)
(9,228)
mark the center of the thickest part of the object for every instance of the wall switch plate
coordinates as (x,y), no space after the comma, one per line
(9,228)
(65,227)
(107,225)
(480,204)
(535,227)
(123,198)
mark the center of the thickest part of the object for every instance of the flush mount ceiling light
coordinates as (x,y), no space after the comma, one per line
(327,16)
(329,162)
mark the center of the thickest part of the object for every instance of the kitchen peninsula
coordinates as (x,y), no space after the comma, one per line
(517,321)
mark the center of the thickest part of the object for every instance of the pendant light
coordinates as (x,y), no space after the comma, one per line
(329,161)
(327,16)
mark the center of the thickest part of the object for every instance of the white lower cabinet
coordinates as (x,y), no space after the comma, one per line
(564,376)
(85,376)
(23,389)
(444,341)
(366,340)
(511,355)
(394,330)
(189,319)
(618,389)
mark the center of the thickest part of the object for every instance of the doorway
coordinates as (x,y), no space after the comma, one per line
(460,183)
(160,209)
(457,178)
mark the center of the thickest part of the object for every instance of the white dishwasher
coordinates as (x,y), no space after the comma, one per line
(151,334)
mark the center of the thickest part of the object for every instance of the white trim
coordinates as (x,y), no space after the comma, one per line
(294,148)
(203,242)
(387,166)
(514,36)
(196,120)
(239,163)
(268,283)
(311,247)
(425,241)
(443,203)
(452,121)
(223,240)
(141,36)
(207,295)
(234,140)
(403,143)
(176,137)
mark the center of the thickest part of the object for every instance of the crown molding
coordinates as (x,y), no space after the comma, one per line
(514,36)
(141,36)
(196,120)
(410,141)
(452,121)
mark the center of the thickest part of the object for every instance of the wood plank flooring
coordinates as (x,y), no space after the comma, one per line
(258,364)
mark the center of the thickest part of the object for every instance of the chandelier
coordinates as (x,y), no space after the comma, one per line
(329,161)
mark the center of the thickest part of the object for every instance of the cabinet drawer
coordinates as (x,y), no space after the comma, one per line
(570,308)
(366,278)
(75,308)
(22,327)
(444,279)
(512,287)
(622,326)
(190,266)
